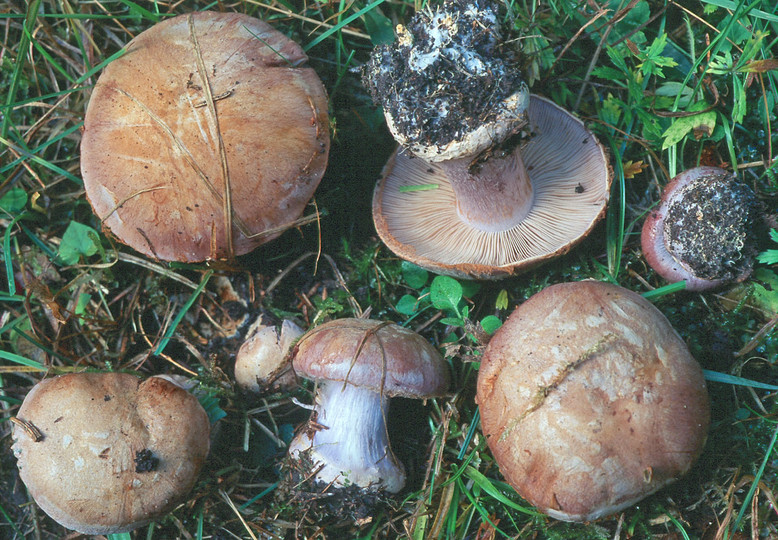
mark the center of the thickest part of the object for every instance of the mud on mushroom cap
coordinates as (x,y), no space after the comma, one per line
(104,453)
(703,230)
(451,84)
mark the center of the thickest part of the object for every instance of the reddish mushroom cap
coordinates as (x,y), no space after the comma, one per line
(590,401)
(197,103)
(380,356)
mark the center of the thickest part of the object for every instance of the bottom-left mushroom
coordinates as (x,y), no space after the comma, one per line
(105,453)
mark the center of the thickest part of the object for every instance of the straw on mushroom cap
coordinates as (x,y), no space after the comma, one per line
(569,189)
(205,139)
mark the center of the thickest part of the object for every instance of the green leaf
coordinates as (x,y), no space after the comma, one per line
(13,201)
(407,305)
(415,276)
(502,300)
(379,27)
(739,105)
(452,321)
(766,289)
(733,5)
(768,257)
(83,301)
(211,405)
(18,359)
(726,378)
(446,293)
(470,288)
(608,73)
(78,241)
(702,123)
(610,112)
(491,324)
(489,488)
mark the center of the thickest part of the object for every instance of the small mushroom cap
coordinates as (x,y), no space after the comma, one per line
(114,453)
(571,181)
(380,356)
(156,154)
(590,401)
(720,240)
(261,362)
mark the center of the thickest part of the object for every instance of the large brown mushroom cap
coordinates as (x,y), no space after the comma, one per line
(104,452)
(590,401)
(415,209)
(375,355)
(158,149)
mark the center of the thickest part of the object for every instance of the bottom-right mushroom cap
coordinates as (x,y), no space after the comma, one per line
(590,401)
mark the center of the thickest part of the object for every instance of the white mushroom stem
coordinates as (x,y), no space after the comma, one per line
(352,446)
(492,196)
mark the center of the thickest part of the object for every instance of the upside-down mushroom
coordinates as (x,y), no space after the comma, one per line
(488,180)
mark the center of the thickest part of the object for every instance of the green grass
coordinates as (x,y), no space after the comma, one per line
(665,86)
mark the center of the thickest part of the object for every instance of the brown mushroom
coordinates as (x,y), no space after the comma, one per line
(590,401)
(358,364)
(205,139)
(262,361)
(104,453)
(488,180)
(702,230)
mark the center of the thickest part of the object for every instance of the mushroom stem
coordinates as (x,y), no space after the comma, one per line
(492,196)
(352,446)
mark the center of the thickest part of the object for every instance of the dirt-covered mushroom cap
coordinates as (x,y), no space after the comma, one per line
(104,453)
(703,229)
(590,400)
(450,85)
(562,179)
(205,139)
(357,365)
(262,361)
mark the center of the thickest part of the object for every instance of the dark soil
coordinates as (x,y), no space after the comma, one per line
(710,227)
(446,73)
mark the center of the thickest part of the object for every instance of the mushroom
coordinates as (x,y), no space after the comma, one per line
(104,453)
(358,364)
(262,361)
(205,139)
(590,400)
(702,230)
(488,180)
